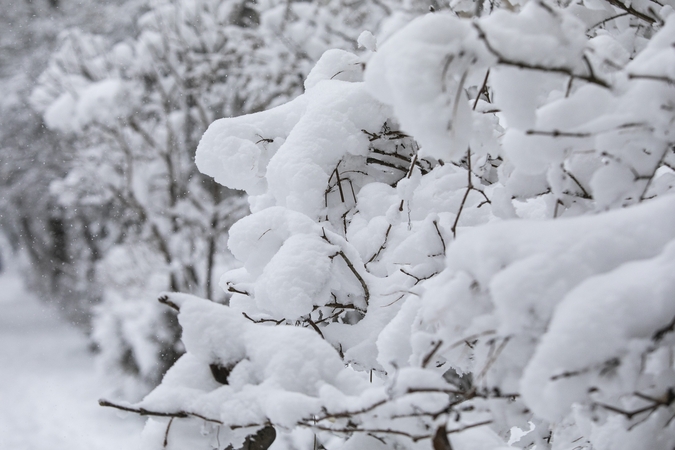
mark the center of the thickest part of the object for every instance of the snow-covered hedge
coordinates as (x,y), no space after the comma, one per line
(471,238)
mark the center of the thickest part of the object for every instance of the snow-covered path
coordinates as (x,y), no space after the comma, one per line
(48,386)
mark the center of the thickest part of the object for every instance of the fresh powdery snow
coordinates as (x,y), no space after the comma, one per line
(461,237)
(49,388)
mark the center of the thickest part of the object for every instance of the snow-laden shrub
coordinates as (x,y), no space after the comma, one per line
(477,238)
(135,111)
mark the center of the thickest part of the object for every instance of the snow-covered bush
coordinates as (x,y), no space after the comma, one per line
(135,111)
(469,239)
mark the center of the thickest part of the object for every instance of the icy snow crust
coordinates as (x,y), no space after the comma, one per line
(378,229)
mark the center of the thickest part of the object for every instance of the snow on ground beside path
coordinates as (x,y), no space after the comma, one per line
(48,386)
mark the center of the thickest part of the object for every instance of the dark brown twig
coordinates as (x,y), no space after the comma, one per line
(524,65)
(438,231)
(147,412)
(382,247)
(427,359)
(164,299)
(278,322)
(482,88)
(609,19)
(315,327)
(166,433)
(632,11)
(469,187)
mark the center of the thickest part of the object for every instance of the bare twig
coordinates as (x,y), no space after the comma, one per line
(339,183)
(609,19)
(661,332)
(482,88)
(411,436)
(493,357)
(315,327)
(166,433)
(364,286)
(164,299)
(650,179)
(557,133)
(147,412)
(427,359)
(469,187)
(382,247)
(366,291)
(584,192)
(231,288)
(632,11)
(528,66)
(438,231)
(278,322)
(664,79)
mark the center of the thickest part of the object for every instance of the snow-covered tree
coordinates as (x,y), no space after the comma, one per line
(57,245)
(470,244)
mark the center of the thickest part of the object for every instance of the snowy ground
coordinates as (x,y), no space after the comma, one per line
(48,386)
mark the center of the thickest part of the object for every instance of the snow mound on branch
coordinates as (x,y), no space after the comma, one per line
(236,151)
(299,272)
(428,97)
(280,156)
(553,287)
(537,35)
(277,372)
(335,64)
(618,312)
(367,41)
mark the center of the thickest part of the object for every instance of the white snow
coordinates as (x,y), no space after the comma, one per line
(49,389)
(367,41)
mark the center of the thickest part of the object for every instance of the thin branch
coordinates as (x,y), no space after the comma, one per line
(632,11)
(164,299)
(382,247)
(418,279)
(366,291)
(315,327)
(147,412)
(411,436)
(494,357)
(524,65)
(661,332)
(440,235)
(609,19)
(664,79)
(629,414)
(339,183)
(584,192)
(364,286)
(427,359)
(653,174)
(469,187)
(370,160)
(233,289)
(482,88)
(348,414)
(280,321)
(557,133)
(166,433)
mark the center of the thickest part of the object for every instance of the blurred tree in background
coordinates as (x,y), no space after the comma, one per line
(107,104)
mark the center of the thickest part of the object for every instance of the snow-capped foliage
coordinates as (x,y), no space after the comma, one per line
(135,111)
(464,231)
